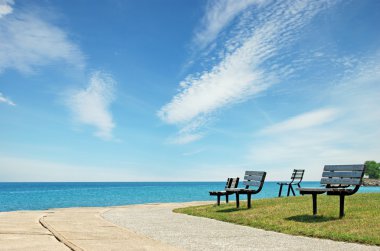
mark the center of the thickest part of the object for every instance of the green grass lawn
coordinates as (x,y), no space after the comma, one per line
(293,215)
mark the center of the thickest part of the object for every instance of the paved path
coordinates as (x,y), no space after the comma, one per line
(22,231)
(194,233)
(84,229)
(142,227)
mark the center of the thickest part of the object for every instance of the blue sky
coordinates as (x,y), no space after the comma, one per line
(186,90)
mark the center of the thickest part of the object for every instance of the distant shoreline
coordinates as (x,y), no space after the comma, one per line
(371,182)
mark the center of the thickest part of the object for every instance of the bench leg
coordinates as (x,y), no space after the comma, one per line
(341,208)
(249,200)
(226,198)
(289,186)
(314,203)
(237,200)
(218,199)
(279,193)
(299,186)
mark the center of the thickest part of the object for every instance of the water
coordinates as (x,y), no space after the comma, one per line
(45,195)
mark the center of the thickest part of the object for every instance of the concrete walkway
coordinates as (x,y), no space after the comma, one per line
(22,231)
(194,233)
(142,227)
(84,229)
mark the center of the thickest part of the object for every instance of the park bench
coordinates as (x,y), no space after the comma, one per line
(231,183)
(253,181)
(296,179)
(339,180)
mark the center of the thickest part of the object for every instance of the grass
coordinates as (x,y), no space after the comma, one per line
(293,215)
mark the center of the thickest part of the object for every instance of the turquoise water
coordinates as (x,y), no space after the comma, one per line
(39,196)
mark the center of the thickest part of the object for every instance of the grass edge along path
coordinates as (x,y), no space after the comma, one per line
(293,215)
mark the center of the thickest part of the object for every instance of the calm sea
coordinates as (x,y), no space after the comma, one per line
(45,195)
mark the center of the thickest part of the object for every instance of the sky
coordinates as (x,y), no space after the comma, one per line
(168,90)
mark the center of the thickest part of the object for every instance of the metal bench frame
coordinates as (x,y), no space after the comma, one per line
(296,179)
(337,180)
(231,183)
(251,179)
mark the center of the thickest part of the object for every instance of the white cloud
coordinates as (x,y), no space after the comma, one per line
(6,7)
(218,15)
(185,138)
(29,41)
(90,106)
(303,121)
(6,100)
(241,72)
(347,139)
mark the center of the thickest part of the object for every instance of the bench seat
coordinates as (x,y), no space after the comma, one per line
(321,190)
(218,192)
(242,191)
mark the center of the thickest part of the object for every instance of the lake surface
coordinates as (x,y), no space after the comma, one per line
(45,195)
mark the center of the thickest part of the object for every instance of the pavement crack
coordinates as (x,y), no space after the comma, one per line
(58,236)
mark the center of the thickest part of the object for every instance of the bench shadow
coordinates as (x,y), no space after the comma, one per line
(229,210)
(305,218)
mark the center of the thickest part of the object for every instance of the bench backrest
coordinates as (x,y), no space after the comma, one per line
(297,175)
(254,179)
(343,175)
(232,183)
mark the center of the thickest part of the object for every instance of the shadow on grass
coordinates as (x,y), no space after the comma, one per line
(229,210)
(311,218)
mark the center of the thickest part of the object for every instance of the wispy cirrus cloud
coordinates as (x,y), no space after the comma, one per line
(29,41)
(90,106)
(243,70)
(218,15)
(346,133)
(303,121)
(6,7)
(6,100)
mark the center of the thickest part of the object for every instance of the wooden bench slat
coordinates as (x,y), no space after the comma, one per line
(252,183)
(298,172)
(234,183)
(253,177)
(256,173)
(338,181)
(312,189)
(344,168)
(353,174)
(228,183)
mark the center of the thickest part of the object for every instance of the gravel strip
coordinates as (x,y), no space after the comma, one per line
(158,222)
